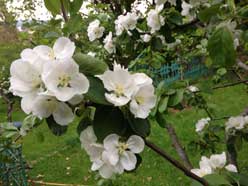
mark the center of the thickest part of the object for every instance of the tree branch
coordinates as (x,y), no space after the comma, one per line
(178,147)
(175,163)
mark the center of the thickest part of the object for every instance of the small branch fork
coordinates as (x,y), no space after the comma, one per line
(176,163)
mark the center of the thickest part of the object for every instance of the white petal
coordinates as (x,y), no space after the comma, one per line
(97,165)
(119,168)
(80,84)
(116,101)
(63,48)
(76,99)
(44,52)
(63,114)
(106,171)
(218,160)
(142,79)
(231,168)
(27,103)
(88,136)
(43,106)
(128,160)
(111,142)
(29,55)
(112,157)
(136,144)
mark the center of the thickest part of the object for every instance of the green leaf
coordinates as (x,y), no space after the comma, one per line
(75,6)
(221,48)
(176,98)
(156,43)
(86,120)
(55,128)
(195,183)
(240,178)
(141,127)
(90,65)
(163,104)
(243,12)
(40,136)
(96,91)
(108,120)
(161,120)
(216,180)
(175,17)
(74,25)
(53,6)
(206,14)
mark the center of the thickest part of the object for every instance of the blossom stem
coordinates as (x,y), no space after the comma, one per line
(176,163)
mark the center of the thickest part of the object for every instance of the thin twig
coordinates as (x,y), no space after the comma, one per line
(64,13)
(230,84)
(178,147)
(176,163)
(54,184)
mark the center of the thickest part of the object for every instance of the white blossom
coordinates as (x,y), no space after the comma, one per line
(237,123)
(204,169)
(122,154)
(141,79)
(25,78)
(155,20)
(218,161)
(119,84)
(45,106)
(95,31)
(125,22)
(201,124)
(63,48)
(231,168)
(192,88)
(186,8)
(64,80)
(143,101)
(109,44)
(146,37)
(89,143)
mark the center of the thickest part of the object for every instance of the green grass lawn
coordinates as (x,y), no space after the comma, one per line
(60,159)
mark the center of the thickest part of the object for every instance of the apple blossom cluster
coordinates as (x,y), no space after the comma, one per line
(214,163)
(237,123)
(114,156)
(125,23)
(95,31)
(201,124)
(123,88)
(47,79)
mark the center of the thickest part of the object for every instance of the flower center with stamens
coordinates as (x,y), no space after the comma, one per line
(122,147)
(51,55)
(64,81)
(119,90)
(140,100)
